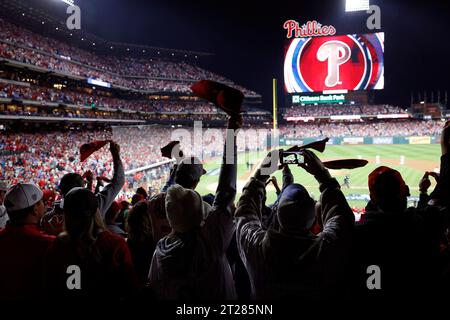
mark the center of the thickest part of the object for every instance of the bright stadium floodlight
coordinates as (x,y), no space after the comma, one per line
(69,2)
(356,5)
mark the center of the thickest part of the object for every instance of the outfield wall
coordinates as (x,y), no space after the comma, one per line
(365,140)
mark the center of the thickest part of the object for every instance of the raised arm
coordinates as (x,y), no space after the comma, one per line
(441,193)
(218,225)
(336,216)
(288,178)
(170,151)
(424,185)
(226,189)
(109,193)
(171,179)
(249,231)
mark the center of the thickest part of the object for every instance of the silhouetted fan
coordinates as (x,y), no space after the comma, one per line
(89,148)
(226,98)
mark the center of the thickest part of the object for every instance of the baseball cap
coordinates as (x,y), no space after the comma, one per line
(191,167)
(80,201)
(22,196)
(387,182)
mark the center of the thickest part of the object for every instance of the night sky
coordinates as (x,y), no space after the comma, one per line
(248,40)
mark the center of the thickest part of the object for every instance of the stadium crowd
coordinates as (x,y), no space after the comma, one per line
(362,129)
(151,74)
(91,98)
(72,114)
(338,110)
(97,104)
(45,157)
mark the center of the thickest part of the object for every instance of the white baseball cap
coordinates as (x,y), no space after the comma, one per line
(22,196)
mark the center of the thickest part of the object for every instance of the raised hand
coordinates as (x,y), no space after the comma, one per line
(114,148)
(435,175)
(445,138)
(424,183)
(313,165)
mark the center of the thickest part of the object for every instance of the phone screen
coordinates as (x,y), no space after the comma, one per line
(293,158)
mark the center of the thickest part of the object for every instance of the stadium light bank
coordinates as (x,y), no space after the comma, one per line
(69,2)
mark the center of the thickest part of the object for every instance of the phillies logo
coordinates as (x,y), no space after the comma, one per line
(309,29)
(347,62)
(336,53)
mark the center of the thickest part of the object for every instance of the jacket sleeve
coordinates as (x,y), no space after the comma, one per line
(288,178)
(332,247)
(249,232)
(109,193)
(171,179)
(423,200)
(442,190)
(218,226)
(337,216)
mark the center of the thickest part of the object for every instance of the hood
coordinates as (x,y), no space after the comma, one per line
(295,209)
(181,256)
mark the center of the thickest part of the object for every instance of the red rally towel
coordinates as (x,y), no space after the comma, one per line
(89,148)
(225,97)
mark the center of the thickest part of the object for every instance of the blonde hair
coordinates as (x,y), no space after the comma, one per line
(82,231)
(138,223)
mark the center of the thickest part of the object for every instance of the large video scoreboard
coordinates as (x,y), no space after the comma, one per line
(334,64)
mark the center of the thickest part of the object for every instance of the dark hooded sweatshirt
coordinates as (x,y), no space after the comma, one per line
(291,266)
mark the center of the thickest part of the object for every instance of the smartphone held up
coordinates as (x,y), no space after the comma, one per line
(292,157)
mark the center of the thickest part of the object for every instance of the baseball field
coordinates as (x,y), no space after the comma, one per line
(411,160)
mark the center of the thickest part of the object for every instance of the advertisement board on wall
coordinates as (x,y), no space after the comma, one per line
(382,140)
(353,140)
(419,140)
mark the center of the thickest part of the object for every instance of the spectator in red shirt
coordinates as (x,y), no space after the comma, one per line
(22,245)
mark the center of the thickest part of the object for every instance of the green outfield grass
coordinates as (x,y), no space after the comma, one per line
(417,159)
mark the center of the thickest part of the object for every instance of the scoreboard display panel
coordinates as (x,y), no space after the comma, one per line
(343,62)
